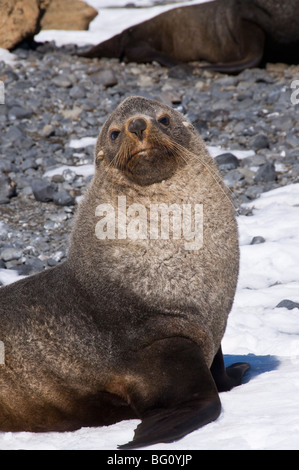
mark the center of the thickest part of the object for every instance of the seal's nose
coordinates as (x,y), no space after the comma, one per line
(137,126)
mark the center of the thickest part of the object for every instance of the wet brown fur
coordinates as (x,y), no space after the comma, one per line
(229,34)
(127,328)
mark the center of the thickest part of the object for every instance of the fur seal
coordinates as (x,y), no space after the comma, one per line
(229,34)
(129,326)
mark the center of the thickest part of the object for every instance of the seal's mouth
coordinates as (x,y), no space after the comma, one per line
(148,161)
(139,153)
(150,165)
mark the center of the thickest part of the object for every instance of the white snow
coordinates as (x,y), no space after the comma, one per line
(109,21)
(240,154)
(80,170)
(83,142)
(7,57)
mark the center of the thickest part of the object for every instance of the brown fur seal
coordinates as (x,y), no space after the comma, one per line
(230,34)
(130,326)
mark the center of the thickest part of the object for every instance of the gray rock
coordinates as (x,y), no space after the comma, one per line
(227,161)
(233,177)
(8,189)
(77,92)
(15,134)
(62,81)
(5,166)
(259,142)
(43,190)
(34,265)
(11,253)
(265,173)
(29,163)
(106,78)
(289,304)
(24,269)
(18,112)
(254,160)
(295,170)
(257,240)
(56,258)
(292,140)
(63,198)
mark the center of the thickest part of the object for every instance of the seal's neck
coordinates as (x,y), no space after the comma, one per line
(121,227)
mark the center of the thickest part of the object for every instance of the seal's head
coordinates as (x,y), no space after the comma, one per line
(144,140)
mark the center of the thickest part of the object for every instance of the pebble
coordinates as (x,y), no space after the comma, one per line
(7,189)
(43,190)
(260,141)
(53,97)
(63,198)
(257,240)
(11,253)
(107,78)
(289,304)
(227,161)
(265,173)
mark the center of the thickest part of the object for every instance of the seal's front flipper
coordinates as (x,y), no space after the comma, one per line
(175,392)
(168,425)
(230,377)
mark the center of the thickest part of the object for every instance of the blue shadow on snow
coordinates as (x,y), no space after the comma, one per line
(258,364)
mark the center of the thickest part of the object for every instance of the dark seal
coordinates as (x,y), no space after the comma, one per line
(130,326)
(229,34)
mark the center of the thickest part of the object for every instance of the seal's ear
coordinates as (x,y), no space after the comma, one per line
(100,155)
(190,127)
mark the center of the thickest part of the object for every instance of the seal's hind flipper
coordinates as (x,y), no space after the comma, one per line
(173,392)
(168,425)
(230,377)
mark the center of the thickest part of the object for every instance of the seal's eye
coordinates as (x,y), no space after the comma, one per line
(164,120)
(114,135)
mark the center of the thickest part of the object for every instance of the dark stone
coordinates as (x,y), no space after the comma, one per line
(105,78)
(63,198)
(18,112)
(257,240)
(227,161)
(289,304)
(8,189)
(43,190)
(265,173)
(260,142)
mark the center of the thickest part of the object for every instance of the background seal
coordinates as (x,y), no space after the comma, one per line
(229,34)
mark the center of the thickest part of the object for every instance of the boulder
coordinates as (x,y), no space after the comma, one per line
(68,15)
(19,20)
(22,19)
